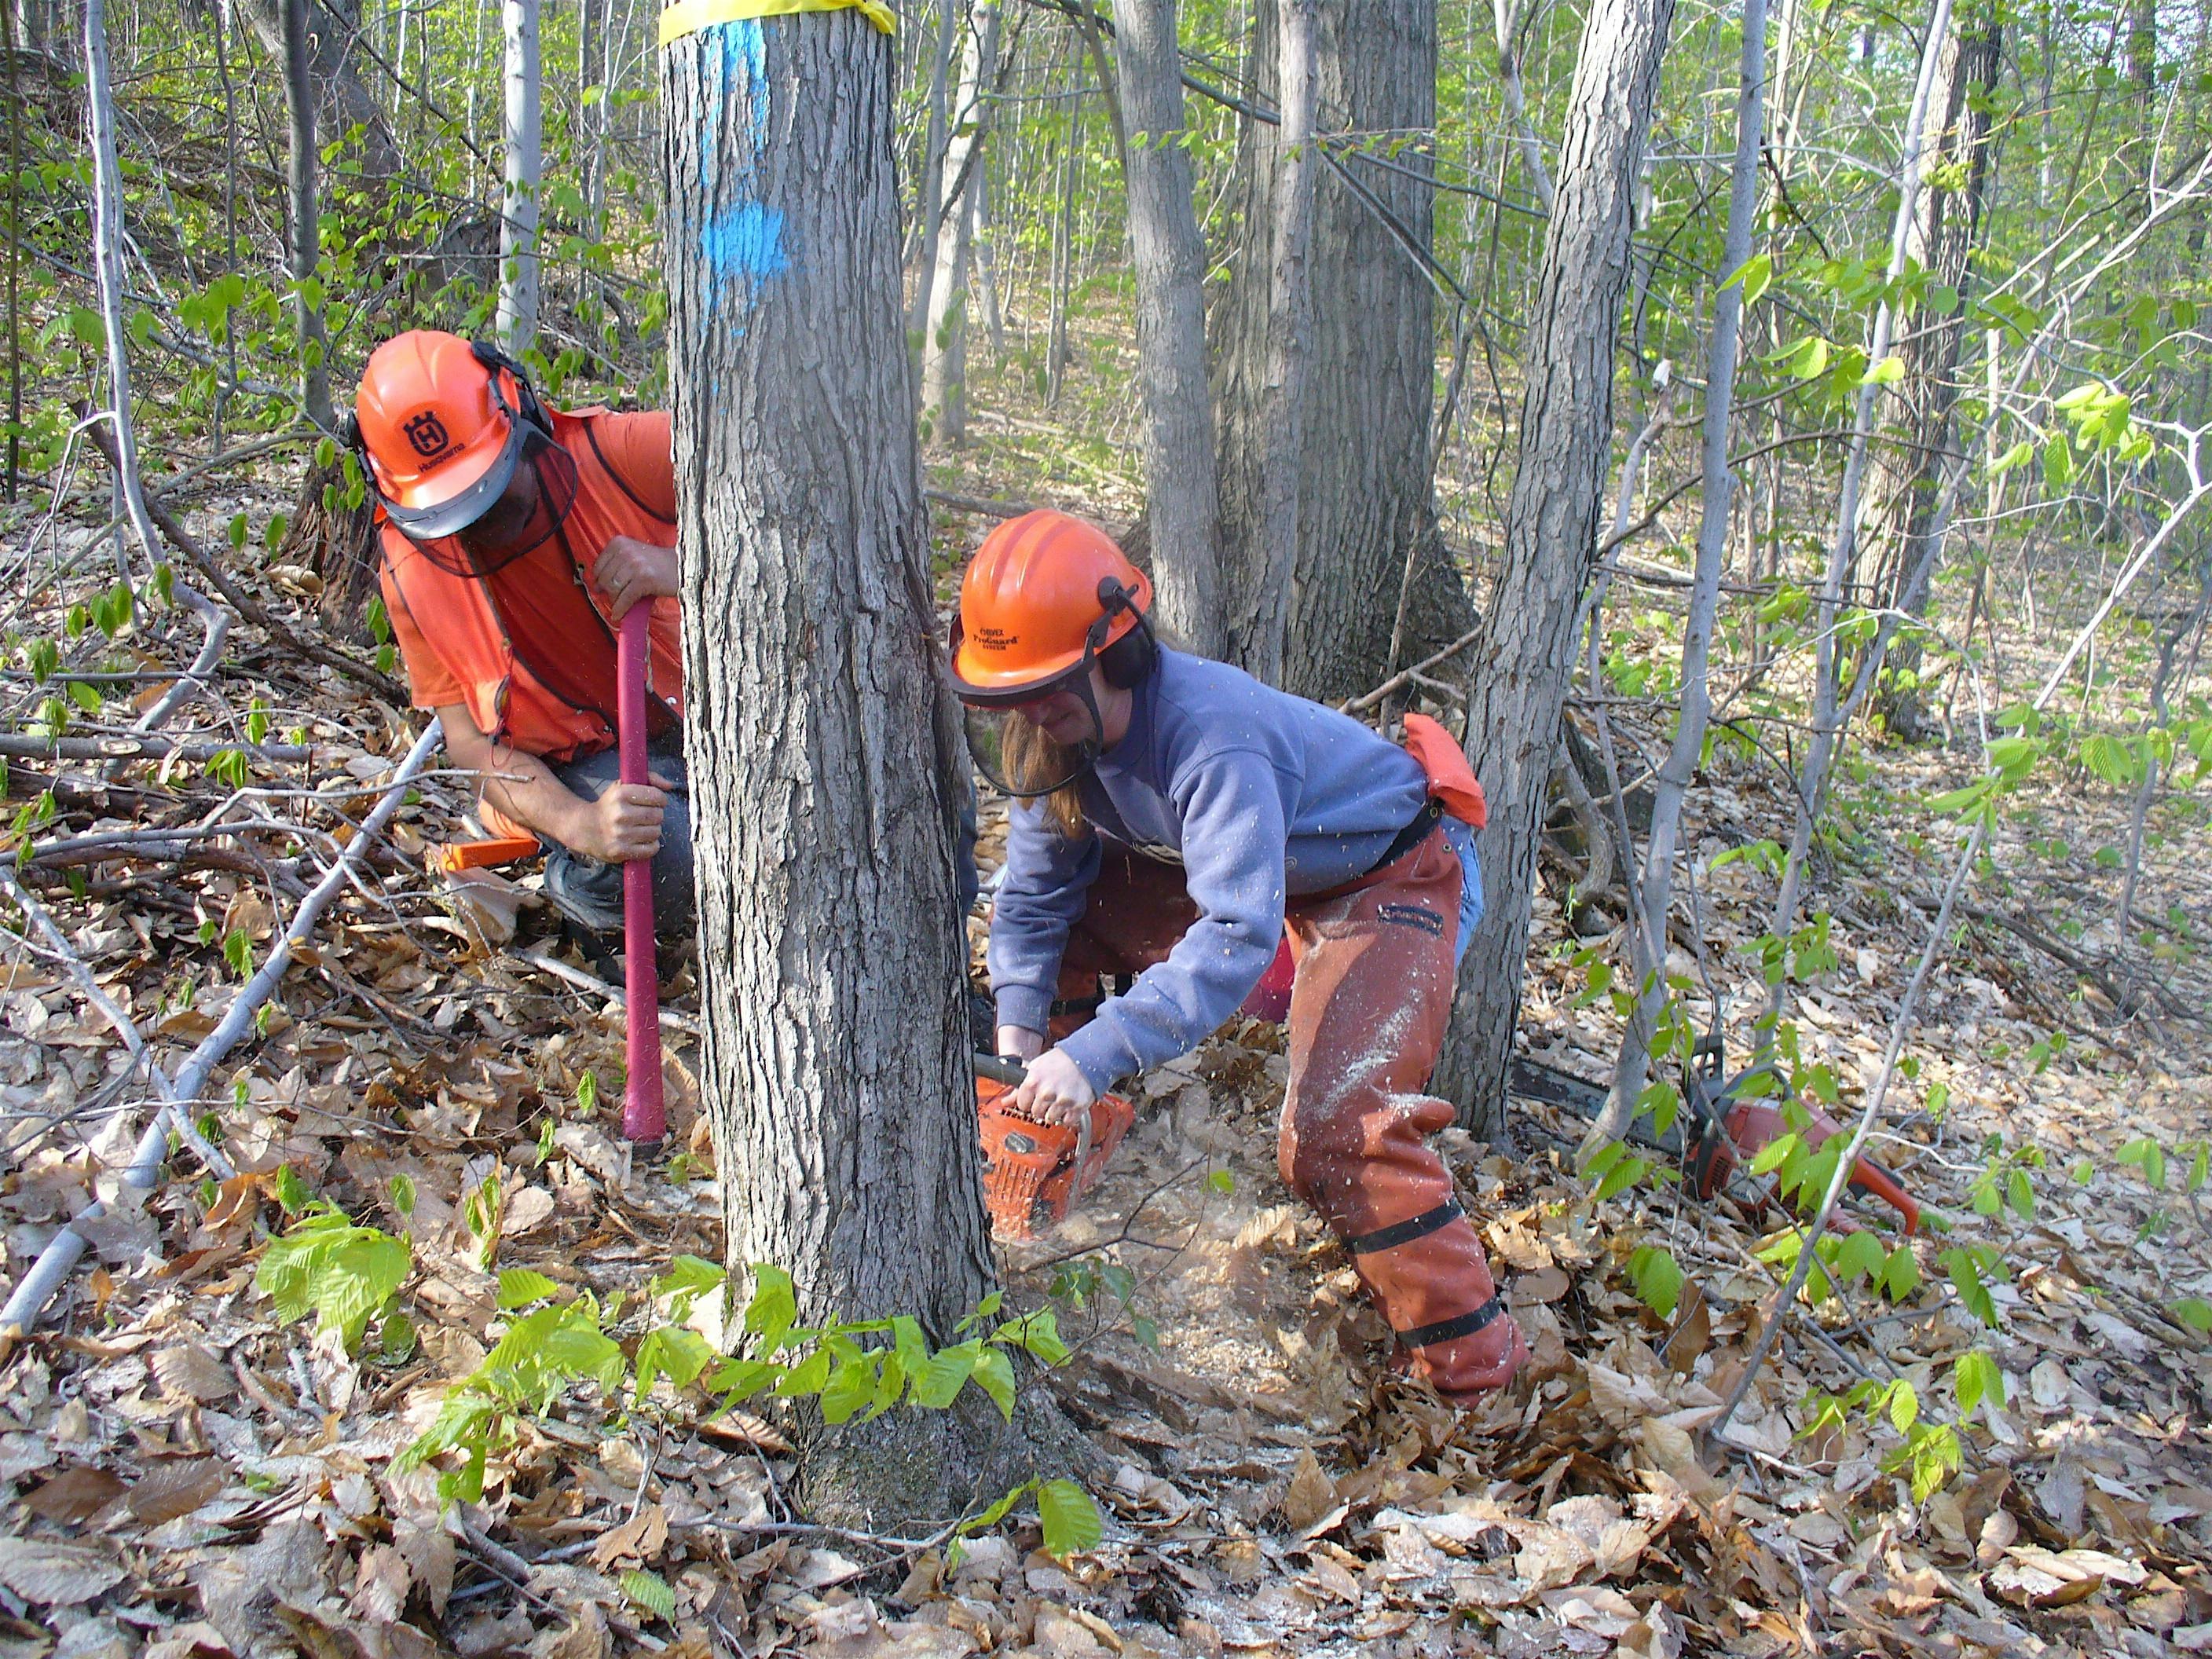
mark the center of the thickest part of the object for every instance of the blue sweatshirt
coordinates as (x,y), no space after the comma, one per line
(1256,793)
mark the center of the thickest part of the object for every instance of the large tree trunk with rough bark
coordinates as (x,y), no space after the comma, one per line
(1525,658)
(1183,496)
(1903,513)
(1368,384)
(821,743)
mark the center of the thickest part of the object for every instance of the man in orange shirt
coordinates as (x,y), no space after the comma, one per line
(514,538)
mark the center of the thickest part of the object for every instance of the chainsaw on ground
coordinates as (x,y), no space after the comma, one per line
(1724,1127)
(1033,1170)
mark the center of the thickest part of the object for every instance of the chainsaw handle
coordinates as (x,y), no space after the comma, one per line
(998,1069)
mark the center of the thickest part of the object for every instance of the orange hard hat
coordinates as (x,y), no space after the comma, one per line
(440,423)
(1043,594)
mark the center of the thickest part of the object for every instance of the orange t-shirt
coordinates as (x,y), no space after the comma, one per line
(461,647)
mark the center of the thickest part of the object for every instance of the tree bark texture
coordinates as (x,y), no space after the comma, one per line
(1183,495)
(518,221)
(1369,384)
(1259,619)
(1525,658)
(821,743)
(304,231)
(1946,222)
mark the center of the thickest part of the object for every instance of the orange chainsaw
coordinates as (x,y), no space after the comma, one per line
(1034,1172)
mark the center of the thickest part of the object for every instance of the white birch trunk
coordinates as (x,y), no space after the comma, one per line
(516,322)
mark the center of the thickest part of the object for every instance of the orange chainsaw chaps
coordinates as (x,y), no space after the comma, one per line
(1031,1171)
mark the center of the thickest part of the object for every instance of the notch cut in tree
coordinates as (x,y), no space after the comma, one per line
(821,744)
(1522,662)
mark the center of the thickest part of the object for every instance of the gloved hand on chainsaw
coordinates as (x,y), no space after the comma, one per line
(1054,1089)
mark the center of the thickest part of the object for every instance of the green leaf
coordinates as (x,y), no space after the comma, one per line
(850,1389)
(1889,372)
(521,1286)
(2019,1193)
(2194,1312)
(1072,1522)
(994,1374)
(810,1376)
(1658,1279)
(1754,275)
(1775,1153)
(1623,1176)
(674,1352)
(1975,1377)
(651,1593)
(1900,1274)
(1222,1181)
(2107,757)
(1858,1255)
(1903,1406)
(774,1307)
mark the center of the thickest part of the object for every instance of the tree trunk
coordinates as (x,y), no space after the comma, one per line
(1063,252)
(1258,623)
(930,207)
(1522,664)
(945,348)
(1657,887)
(342,99)
(1369,388)
(1183,495)
(1901,514)
(305,229)
(822,745)
(518,225)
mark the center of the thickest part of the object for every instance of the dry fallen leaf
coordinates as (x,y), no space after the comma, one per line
(48,1573)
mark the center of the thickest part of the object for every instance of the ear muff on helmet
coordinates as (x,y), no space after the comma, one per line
(525,406)
(1129,661)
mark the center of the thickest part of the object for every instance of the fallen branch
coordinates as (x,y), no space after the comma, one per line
(978,504)
(1405,676)
(140,747)
(67,1247)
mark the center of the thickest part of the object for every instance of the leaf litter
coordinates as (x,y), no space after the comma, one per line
(191,1475)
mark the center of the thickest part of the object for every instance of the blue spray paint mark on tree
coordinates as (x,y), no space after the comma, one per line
(745,240)
(742,243)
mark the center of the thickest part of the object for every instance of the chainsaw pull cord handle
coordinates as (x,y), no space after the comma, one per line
(643,1114)
(1011,1072)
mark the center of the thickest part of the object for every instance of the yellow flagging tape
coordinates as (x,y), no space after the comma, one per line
(690,17)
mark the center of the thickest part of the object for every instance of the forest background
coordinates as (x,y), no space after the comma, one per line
(1932,843)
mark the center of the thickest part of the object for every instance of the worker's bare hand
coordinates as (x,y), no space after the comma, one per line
(623,824)
(629,570)
(1056,1089)
(1018,1043)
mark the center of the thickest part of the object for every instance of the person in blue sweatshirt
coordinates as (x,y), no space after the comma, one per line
(1174,820)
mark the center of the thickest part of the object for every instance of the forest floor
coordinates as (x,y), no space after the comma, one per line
(191,1476)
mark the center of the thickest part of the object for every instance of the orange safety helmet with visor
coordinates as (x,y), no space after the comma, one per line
(449,429)
(1046,596)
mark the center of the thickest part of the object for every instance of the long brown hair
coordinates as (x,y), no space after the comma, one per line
(1030,754)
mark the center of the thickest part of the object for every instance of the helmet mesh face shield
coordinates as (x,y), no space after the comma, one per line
(527,513)
(1018,758)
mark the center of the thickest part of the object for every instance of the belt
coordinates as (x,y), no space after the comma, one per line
(1431,814)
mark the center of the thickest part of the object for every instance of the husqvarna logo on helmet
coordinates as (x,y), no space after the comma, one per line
(428,434)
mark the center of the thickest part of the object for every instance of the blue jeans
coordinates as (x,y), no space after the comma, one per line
(590,892)
(1459,835)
